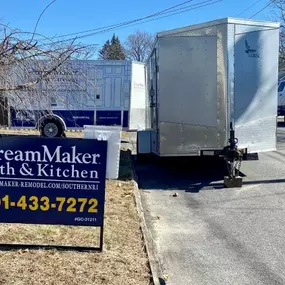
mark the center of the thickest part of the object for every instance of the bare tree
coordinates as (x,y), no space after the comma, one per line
(279,15)
(138,45)
(36,72)
(33,70)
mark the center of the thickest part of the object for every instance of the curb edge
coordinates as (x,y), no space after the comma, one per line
(155,267)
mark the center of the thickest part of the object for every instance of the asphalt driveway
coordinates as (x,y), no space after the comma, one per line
(211,235)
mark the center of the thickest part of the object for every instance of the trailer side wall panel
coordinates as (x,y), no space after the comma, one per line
(89,92)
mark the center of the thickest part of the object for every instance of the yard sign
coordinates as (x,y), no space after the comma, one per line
(52,181)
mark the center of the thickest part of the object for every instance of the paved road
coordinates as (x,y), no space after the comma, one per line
(209,235)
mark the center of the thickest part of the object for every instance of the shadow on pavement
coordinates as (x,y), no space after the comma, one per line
(190,174)
(219,185)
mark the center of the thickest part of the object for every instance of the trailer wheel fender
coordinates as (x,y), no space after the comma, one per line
(54,120)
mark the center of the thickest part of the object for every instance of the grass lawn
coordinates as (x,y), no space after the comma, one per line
(70,134)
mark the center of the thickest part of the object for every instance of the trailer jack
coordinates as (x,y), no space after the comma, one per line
(233,160)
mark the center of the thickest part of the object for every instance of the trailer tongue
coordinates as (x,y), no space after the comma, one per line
(233,159)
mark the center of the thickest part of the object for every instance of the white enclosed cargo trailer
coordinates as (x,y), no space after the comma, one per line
(205,78)
(89,92)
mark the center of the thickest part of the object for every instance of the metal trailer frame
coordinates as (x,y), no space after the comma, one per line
(199,86)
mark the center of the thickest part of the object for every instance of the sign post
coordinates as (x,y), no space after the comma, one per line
(54,181)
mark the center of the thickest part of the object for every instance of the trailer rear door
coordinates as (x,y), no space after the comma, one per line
(255,99)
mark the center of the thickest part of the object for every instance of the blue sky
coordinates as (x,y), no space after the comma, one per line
(69,16)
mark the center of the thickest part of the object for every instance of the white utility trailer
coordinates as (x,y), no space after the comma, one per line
(88,92)
(210,83)
(203,77)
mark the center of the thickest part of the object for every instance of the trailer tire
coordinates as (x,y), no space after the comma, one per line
(51,128)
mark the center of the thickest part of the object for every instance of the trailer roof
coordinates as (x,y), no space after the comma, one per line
(228,20)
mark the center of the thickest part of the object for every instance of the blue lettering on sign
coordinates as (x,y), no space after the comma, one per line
(76,118)
(52,181)
(112,118)
(24,118)
(108,118)
(72,118)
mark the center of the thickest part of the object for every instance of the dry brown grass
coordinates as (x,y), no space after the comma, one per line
(18,132)
(70,134)
(123,260)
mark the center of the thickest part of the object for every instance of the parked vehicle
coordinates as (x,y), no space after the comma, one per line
(281,98)
(209,84)
(109,92)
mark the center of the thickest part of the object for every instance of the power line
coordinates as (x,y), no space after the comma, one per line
(14,32)
(169,9)
(270,2)
(135,22)
(205,3)
(18,31)
(249,7)
(39,18)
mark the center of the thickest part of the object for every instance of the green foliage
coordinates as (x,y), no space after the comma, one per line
(104,51)
(112,50)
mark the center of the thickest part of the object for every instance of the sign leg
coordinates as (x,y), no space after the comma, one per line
(101,238)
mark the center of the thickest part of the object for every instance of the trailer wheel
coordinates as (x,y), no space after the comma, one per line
(51,128)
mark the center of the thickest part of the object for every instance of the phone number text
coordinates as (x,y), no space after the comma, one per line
(61,204)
